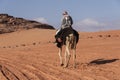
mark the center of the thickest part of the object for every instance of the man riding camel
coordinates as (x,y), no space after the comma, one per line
(66,28)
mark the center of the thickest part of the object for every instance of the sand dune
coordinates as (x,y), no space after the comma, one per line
(31,55)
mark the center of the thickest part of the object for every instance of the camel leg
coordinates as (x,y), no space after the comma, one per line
(74,57)
(60,56)
(67,56)
(65,63)
(74,53)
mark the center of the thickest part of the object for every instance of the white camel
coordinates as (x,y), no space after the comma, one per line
(70,44)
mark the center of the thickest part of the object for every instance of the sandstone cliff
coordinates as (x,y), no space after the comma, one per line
(11,24)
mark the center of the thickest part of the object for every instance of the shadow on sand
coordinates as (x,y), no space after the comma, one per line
(102,61)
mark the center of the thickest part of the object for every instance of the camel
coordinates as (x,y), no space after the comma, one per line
(70,44)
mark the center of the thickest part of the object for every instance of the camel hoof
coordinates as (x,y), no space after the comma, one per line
(74,67)
(65,66)
(61,64)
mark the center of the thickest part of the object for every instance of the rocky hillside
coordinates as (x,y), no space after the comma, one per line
(11,24)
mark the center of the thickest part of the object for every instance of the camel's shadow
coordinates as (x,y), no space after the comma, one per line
(102,61)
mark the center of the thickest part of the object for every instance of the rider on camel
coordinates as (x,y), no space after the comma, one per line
(66,28)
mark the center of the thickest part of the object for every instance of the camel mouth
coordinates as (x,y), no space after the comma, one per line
(59,40)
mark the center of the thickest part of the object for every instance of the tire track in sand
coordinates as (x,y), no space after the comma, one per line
(23,71)
(28,71)
(40,71)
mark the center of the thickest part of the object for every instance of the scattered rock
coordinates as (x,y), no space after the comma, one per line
(34,43)
(100,35)
(23,45)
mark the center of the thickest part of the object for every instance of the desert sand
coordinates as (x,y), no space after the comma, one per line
(32,55)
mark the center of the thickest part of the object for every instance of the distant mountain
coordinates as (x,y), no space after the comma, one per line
(11,24)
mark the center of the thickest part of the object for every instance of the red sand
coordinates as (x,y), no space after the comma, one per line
(31,55)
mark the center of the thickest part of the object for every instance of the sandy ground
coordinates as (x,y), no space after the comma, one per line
(31,55)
